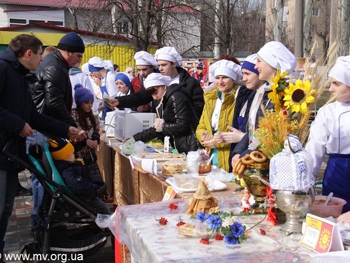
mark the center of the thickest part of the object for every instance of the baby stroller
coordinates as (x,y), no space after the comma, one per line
(66,223)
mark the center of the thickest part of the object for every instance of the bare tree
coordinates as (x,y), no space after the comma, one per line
(241,25)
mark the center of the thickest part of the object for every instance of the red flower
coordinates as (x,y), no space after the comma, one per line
(205,241)
(271,216)
(180,223)
(163,221)
(262,232)
(173,206)
(219,237)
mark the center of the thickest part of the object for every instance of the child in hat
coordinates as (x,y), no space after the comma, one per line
(74,175)
(86,120)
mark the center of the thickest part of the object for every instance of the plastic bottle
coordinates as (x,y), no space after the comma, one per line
(166,144)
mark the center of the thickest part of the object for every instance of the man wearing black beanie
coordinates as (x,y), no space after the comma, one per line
(53,93)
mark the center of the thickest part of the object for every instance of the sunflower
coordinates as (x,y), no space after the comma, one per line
(298,96)
(277,89)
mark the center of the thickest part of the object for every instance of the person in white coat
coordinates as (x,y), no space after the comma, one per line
(330,133)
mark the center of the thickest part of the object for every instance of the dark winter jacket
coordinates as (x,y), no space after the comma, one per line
(191,84)
(242,146)
(53,92)
(77,179)
(180,121)
(17,108)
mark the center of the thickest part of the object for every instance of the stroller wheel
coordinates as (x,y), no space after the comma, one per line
(28,250)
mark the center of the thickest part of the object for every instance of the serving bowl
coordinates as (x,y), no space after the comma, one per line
(333,208)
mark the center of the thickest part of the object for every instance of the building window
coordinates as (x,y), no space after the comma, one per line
(57,23)
(315,11)
(123,27)
(14,22)
(35,21)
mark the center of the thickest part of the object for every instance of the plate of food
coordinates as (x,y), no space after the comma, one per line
(158,156)
(190,183)
(190,230)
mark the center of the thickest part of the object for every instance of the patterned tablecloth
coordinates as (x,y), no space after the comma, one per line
(149,242)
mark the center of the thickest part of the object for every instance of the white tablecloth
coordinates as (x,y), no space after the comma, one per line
(150,242)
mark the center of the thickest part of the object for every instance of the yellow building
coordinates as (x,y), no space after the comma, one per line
(119,49)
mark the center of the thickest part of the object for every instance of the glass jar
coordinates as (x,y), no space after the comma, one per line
(204,167)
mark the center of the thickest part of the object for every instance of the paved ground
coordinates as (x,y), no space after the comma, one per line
(18,231)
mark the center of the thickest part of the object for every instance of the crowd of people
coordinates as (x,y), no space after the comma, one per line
(51,98)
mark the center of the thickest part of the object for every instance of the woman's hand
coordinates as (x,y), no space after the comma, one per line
(232,136)
(112,103)
(344,218)
(92,144)
(158,124)
(234,159)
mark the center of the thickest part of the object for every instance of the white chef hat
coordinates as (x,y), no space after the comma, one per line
(226,68)
(156,79)
(341,70)
(249,63)
(95,64)
(278,56)
(143,58)
(108,64)
(168,54)
(85,69)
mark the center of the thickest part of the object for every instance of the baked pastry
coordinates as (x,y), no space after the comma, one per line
(191,230)
(170,168)
(202,200)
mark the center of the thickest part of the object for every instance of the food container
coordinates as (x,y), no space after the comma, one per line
(334,207)
(187,181)
(204,167)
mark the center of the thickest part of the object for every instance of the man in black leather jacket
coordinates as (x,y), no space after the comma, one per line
(53,92)
(169,65)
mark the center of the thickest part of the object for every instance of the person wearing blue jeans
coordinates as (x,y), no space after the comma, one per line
(38,190)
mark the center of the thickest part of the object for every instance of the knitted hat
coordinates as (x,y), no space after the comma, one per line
(278,56)
(123,77)
(168,54)
(200,65)
(71,42)
(341,70)
(143,58)
(156,79)
(82,94)
(96,64)
(249,63)
(226,68)
(60,148)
